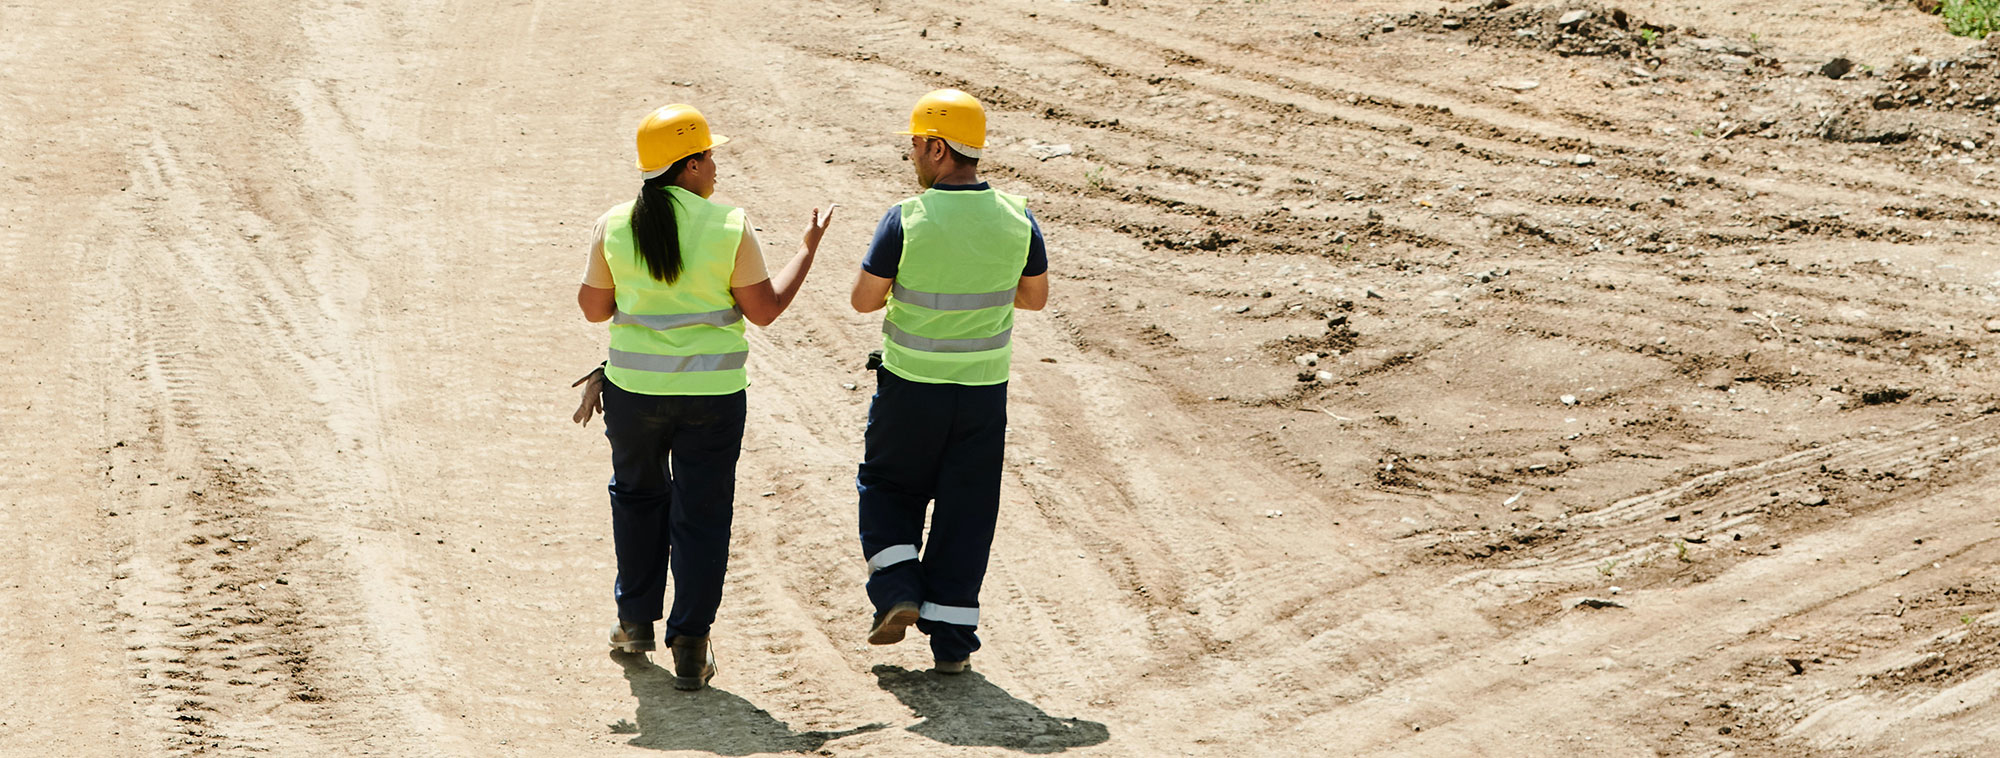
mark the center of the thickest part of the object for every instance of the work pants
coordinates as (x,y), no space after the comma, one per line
(925,443)
(673,491)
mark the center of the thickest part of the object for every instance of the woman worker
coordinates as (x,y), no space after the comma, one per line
(677,274)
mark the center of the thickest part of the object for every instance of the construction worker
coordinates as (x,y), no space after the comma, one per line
(951,265)
(677,274)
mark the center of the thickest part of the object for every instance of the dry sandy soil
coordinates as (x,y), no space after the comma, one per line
(1649,408)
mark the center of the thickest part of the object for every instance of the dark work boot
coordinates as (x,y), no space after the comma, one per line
(694,662)
(633,637)
(889,625)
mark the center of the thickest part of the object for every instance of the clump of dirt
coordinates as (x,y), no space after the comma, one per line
(1339,337)
(1948,662)
(1970,82)
(1568,29)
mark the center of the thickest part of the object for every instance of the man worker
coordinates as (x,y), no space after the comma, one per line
(950,264)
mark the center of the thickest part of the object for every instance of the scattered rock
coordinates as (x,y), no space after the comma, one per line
(1573,18)
(849,386)
(1913,67)
(1517,85)
(1046,152)
(1582,160)
(1993,326)
(1595,602)
(1812,499)
(1884,396)
(1451,23)
(1836,68)
(1569,400)
(1307,359)
(1324,376)
(1370,292)
(1716,45)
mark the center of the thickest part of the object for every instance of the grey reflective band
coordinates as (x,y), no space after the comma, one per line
(953,302)
(950,614)
(722,317)
(928,345)
(675,364)
(890,556)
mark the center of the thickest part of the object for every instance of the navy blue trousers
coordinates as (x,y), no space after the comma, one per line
(930,443)
(673,492)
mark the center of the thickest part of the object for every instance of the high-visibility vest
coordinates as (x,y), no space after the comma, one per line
(951,309)
(684,338)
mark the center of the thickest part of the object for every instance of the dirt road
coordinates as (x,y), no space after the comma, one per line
(1418,381)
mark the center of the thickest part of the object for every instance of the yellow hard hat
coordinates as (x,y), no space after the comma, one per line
(951,115)
(672,133)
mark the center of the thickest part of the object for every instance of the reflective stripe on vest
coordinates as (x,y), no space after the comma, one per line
(675,364)
(722,317)
(683,338)
(951,309)
(928,345)
(938,301)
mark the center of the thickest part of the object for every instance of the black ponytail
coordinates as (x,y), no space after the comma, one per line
(654,231)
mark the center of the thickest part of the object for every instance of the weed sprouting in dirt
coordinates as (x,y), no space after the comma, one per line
(1971,18)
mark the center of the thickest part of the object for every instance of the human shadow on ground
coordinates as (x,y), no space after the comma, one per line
(707,720)
(968,711)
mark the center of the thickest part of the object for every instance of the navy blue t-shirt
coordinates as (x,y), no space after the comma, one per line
(885,253)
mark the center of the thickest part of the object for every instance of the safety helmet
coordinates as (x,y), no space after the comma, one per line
(670,134)
(953,116)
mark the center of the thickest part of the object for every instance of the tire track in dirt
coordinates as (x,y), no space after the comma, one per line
(1727,506)
(1249,234)
(202,612)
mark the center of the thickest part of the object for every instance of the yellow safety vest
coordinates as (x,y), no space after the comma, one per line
(951,309)
(684,338)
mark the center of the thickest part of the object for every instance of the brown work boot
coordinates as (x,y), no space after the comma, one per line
(633,637)
(889,624)
(952,667)
(694,662)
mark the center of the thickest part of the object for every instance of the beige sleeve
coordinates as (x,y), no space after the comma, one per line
(597,272)
(749,260)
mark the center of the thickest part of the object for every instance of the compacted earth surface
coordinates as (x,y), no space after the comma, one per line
(1419,379)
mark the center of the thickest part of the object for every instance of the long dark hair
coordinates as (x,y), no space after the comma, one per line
(654,232)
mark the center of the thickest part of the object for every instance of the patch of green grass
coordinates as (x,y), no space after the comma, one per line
(1649,36)
(1681,551)
(1971,18)
(1095,177)
(1607,567)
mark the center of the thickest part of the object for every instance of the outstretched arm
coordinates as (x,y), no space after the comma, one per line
(764,301)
